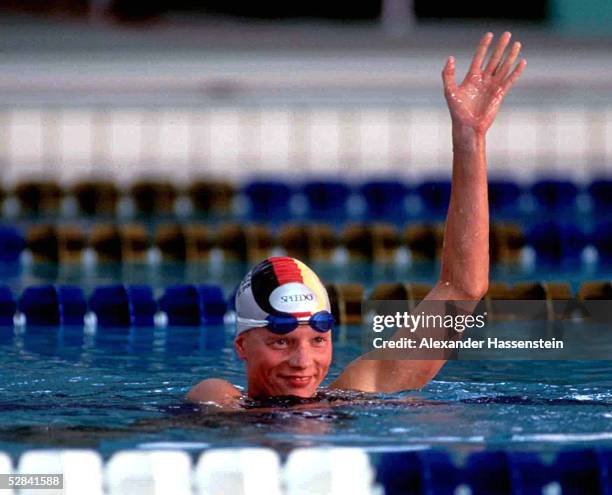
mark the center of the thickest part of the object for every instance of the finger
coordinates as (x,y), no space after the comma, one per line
(504,68)
(498,52)
(448,74)
(480,54)
(516,73)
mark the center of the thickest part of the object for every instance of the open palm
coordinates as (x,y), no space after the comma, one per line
(475,102)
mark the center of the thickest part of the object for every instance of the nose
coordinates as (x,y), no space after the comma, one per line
(300,358)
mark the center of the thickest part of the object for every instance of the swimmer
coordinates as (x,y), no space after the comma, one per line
(284,322)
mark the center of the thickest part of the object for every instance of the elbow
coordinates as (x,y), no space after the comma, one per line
(476,291)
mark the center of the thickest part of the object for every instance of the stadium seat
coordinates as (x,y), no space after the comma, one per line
(554,195)
(12,244)
(96,197)
(378,242)
(556,243)
(183,243)
(308,242)
(268,199)
(424,241)
(211,196)
(503,196)
(505,242)
(245,243)
(397,291)
(417,473)
(39,197)
(127,243)
(601,239)
(326,199)
(53,305)
(345,300)
(435,197)
(153,197)
(123,306)
(55,244)
(384,199)
(600,191)
(193,305)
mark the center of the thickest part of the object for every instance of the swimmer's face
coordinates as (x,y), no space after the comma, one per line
(292,364)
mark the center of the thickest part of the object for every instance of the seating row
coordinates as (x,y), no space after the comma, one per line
(553,242)
(206,304)
(323,470)
(273,198)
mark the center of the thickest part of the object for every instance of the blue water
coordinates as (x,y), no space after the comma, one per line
(67,388)
(60,388)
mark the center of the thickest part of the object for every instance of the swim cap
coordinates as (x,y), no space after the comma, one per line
(278,286)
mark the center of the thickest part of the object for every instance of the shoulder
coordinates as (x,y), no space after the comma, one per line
(214,390)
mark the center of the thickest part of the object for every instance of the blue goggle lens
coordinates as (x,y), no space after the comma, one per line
(323,321)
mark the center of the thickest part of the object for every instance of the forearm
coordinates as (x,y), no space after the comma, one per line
(465,255)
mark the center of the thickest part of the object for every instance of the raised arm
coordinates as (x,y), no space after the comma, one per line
(464,274)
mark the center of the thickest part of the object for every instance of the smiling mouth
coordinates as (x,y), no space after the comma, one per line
(298,381)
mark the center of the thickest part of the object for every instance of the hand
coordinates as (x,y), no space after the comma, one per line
(474,104)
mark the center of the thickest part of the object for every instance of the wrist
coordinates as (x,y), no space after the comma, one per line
(467,138)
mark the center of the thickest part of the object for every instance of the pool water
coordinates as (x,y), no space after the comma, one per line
(110,391)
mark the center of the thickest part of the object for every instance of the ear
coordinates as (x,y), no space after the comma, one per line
(239,346)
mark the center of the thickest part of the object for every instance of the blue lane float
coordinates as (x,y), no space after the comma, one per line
(505,473)
(384,198)
(12,243)
(53,305)
(8,306)
(193,305)
(417,473)
(584,471)
(556,242)
(123,306)
(268,198)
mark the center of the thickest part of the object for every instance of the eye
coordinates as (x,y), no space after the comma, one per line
(280,343)
(320,340)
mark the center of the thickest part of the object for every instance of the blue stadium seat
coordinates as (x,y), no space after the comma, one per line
(555,194)
(53,305)
(601,239)
(505,473)
(193,305)
(268,199)
(326,198)
(556,242)
(584,471)
(123,306)
(503,196)
(435,196)
(600,191)
(417,473)
(12,243)
(8,306)
(384,198)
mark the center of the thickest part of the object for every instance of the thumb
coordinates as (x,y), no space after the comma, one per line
(448,74)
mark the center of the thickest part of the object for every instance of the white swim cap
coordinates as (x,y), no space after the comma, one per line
(278,286)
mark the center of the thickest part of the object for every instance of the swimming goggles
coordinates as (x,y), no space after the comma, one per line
(322,322)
